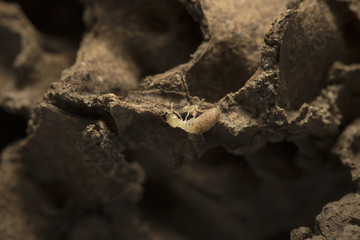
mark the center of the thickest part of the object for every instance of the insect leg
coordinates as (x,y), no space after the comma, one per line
(187,115)
(194,115)
(172,111)
(178,114)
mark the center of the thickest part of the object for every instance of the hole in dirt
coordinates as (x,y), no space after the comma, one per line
(350,27)
(351,31)
(12,127)
(295,185)
(221,70)
(355,146)
(56,192)
(129,155)
(9,47)
(228,168)
(280,236)
(349,100)
(195,196)
(276,161)
(60,18)
(166,34)
(209,188)
(263,195)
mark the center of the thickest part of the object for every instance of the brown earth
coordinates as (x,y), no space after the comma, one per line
(86,152)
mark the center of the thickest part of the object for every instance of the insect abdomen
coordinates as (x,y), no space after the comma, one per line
(204,122)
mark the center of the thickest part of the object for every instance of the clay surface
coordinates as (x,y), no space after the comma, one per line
(86,152)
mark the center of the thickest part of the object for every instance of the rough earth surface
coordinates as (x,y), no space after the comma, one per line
(86,152)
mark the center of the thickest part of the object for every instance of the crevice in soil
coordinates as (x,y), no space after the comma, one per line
(303,184)
(8,51)
(84,111)
(222,69)
(170,35)
(350,27)
(173,201)
(12,127)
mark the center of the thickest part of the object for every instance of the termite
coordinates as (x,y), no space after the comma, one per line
(196,125)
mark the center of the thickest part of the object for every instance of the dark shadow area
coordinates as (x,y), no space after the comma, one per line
(191,202)
(280,236)
(351,30)
(226,175)
(12,127)
(348,99)
(9,48)
(276,161)
(222,69)
(56,192)
(59,18)
(355,147)
(62,212)
(350,27)
(169,34)
(296,185)
(262,197)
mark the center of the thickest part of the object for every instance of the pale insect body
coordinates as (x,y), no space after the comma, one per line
(197,125)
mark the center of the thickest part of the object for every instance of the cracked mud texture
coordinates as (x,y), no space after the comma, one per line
(86,152)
